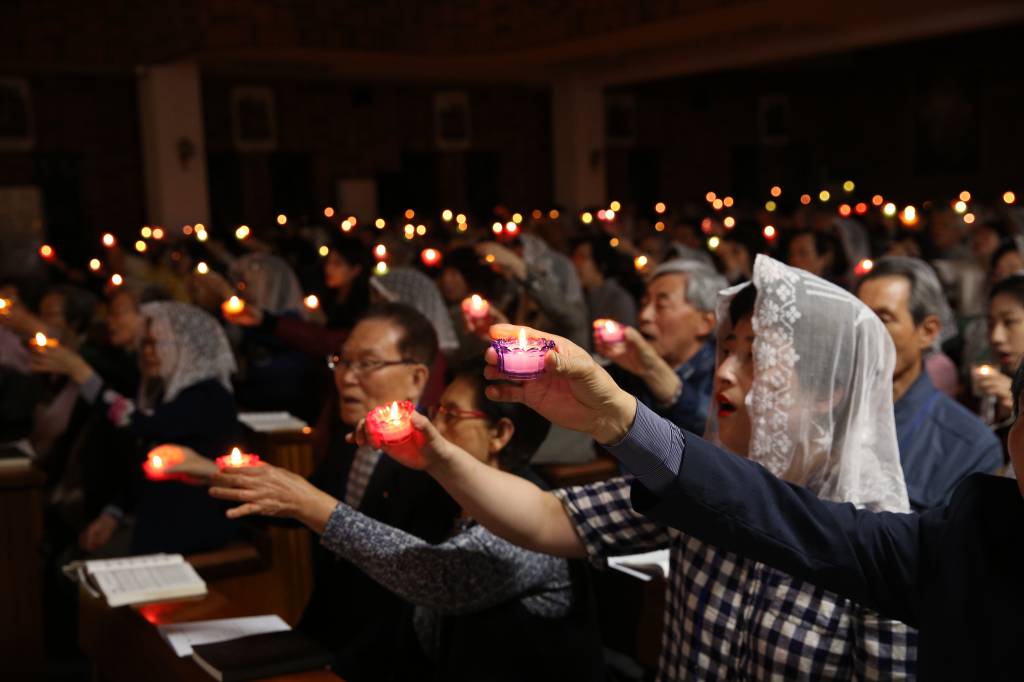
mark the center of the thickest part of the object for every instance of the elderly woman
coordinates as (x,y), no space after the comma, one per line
(485,608)
(185,397)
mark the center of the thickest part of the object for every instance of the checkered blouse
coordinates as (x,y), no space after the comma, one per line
(729,618)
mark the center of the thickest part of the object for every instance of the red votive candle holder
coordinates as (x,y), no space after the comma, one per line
(391,424)
(237,460)
(42,342)
(156,466)
(522,358)
(475,307)
(609,331)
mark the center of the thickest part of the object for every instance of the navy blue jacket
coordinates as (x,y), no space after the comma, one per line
(941,442)
(954,573)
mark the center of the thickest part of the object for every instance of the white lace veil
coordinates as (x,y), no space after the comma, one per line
(415,289)
(270,283)
(820,404)
(191,346)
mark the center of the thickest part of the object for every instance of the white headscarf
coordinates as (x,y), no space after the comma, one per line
(820,404)
(270,283)
(412,287)
(191,346)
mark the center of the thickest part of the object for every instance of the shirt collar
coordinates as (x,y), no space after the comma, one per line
(917,394)
(702,361)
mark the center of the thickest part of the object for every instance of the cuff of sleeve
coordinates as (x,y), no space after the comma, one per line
(90,390)
(334,531)
(652,450)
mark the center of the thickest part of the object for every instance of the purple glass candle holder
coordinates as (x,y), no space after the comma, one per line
(519,361)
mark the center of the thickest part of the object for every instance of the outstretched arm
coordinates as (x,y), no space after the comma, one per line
(507,505)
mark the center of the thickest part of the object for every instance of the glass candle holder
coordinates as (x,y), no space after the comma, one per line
(155,467)
(609,331)
(237,459)
(522,358)
(391,424)
(475,308)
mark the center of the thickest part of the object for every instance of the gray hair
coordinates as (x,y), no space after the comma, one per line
(703,282)
(926,294)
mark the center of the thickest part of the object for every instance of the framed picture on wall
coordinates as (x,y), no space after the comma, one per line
(15,115)
(453,129)
(773,120)
(253,119)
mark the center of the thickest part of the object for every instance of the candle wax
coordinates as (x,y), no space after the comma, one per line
(391,424)
(522,358)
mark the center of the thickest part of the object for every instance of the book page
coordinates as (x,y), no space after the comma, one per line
(183,636)
(627,563)
(269,422)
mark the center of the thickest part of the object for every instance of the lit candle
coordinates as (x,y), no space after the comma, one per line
(391,424)
(864,267)
(985,370)
(312,302)
(156,465)
(233,306)
(5,306)
(237,460)
(42,341)
(522,358)
(475,308)
(47,253)
(109,240)
(430,257)
(609,331)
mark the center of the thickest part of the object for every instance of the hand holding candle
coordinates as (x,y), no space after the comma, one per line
(573,391)
(169,462)
(160,460)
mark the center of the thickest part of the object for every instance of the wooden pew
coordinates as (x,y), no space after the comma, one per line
(271,571)
(21,531)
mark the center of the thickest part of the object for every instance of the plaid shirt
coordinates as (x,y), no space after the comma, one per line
(729,618)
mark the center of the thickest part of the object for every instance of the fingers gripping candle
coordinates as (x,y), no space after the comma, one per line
(522,357)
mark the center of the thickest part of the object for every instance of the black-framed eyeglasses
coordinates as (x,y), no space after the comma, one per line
(362,367)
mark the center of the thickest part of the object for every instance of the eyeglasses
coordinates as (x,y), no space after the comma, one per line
(362,367)
(451,414)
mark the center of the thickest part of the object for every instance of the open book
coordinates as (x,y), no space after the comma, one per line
(138,580)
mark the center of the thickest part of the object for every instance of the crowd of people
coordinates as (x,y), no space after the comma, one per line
(862,355)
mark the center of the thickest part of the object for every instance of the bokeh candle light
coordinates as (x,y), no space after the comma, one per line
(522,357)
(233,306)
(431,257)
(41,341)
(475,307)
(609,331)
(312,302)
(391,424)
(237,459)
(5,306)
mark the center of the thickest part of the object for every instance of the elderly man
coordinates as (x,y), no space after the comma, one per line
(386,357)
(940,441)
(668,361)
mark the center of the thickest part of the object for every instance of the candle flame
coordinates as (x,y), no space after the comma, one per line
(158,462)
(609,325)
(477,302)
(4,303)
(41,339)
(236,457)
(394,415)
(984,370)
(523,343)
